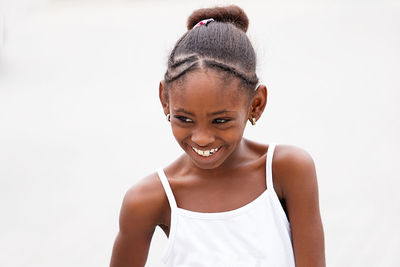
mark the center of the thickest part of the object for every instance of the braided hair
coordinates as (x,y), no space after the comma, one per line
(221,45)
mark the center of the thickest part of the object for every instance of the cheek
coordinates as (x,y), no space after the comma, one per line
(179,132)
(237,135)
(234,134)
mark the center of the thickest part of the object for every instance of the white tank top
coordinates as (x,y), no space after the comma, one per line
(254,235)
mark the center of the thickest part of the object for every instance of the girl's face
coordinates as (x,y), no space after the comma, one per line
(208,116)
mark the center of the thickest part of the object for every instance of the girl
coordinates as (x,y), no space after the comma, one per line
(227,201)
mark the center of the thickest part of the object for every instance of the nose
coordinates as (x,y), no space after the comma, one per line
(202,137)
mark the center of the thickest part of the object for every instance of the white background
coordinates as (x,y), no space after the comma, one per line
(80,120)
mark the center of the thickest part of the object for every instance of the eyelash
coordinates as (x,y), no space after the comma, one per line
(187,120)
(222,120)
(184,119)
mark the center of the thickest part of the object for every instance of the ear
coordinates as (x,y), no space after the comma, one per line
(258,102)
(162,94)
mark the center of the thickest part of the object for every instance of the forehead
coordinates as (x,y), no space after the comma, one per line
(208,89)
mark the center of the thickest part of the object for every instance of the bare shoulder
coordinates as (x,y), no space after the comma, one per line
(289,154)
(141,212)
(294,169)
(143,203)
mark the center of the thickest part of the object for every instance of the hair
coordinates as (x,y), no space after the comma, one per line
(221,45)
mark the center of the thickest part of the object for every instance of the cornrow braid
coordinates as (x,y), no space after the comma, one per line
(192,62)
(182,61)
(171,76)
(250,79)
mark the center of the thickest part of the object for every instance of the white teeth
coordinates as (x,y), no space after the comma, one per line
(205,153)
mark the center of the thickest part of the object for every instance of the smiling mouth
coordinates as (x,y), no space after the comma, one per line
(205,153)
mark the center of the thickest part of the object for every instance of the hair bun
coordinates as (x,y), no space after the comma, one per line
(232,14)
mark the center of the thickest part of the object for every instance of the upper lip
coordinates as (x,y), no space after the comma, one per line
(205,149)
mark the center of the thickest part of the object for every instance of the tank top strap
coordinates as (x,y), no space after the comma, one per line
(167,188)
(268,176)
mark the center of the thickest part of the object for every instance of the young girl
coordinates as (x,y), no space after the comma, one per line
(227,201)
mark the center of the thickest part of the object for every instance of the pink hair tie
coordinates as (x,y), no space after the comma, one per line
(203,22)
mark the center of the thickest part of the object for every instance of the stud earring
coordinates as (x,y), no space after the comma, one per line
(168,117)
(253,121)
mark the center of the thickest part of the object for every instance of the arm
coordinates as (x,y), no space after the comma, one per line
(139,216)
(298,184)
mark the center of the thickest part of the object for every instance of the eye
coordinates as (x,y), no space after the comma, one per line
(183,119)
(221,120)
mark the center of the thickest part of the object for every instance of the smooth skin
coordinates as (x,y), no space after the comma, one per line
(209,111)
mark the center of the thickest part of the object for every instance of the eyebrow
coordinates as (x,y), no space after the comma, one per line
(220,112)
(212,114)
